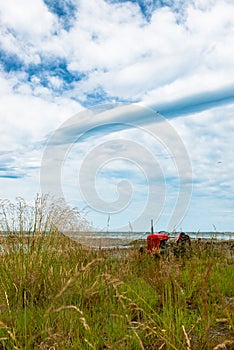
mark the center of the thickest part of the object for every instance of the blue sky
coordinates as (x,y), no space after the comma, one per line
(125,108)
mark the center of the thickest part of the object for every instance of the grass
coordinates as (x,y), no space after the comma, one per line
(54,294)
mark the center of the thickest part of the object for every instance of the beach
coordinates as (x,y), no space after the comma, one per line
(105,240)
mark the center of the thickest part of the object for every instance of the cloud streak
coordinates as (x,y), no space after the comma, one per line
(196,103)
(116,118)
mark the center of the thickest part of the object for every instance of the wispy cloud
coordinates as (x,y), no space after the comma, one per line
(10,176)
(10,172)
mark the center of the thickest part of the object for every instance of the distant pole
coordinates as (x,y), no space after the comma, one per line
(108,223)
(152,226)
(130,227)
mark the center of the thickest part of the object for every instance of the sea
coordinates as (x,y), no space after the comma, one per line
(143,235)
(113,239)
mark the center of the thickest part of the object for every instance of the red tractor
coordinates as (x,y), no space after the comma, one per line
(157,242)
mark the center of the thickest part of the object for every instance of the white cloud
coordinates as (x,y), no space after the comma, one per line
(30,19)
(128,56)
(208,139)
(132,59)
(26,121)
(26,118)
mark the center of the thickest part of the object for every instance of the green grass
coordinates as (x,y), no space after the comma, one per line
(54,294)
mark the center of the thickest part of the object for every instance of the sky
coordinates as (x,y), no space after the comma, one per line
(123,108)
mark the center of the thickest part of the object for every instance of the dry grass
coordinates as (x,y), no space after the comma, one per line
(56,294)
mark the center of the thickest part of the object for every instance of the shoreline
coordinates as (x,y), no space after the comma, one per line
(91,241)
(121,243)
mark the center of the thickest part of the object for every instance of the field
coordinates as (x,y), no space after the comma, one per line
(56,294)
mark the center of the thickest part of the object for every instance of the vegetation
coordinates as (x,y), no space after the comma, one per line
(54,294)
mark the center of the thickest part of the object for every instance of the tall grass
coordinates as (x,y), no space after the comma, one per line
(54,294)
